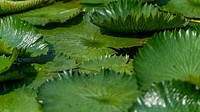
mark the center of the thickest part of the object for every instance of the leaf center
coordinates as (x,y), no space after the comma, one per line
(104,100)
(93,43)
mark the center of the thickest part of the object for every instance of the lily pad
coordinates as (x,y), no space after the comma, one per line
(189,8)
(20,100)
(169,55)
(78,92)
(22,35)
(116,63)
(85,41)
(58,12)
(129,16)
(169,96)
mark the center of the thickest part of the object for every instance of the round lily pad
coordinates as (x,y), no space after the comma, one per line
(79,92)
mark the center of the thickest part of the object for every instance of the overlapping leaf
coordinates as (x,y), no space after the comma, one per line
(189,8)
(115,63)
(22,35)
(60,62)
(169,96)
(169,55)
(78,92)
(59,12)
(84,40)
(6,62)
(128,16)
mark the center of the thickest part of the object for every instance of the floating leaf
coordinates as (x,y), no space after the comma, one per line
(189,8)
(78,92)
(128,16)
(84,41)
(169,96)
(59,12)
(116,63)
(11,6)
(169,55)
(22,35)
(20,100)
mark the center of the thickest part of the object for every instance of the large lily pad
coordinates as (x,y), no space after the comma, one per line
(189,8)
(78,92)
(58,12)
(85,41)
(129,16)
(169,96)
(22,35)
(169,55)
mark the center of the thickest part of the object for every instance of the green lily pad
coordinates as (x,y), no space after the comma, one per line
(12,6)
(78,92)
(189,8)
(58,12)
(22,35)
(169,55)
(84,40)
(20,100)
(169,96)
(128,16)
(116,63)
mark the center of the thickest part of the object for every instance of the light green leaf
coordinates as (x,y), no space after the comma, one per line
(128,16)
(6,62)
(169,96)
(189,8)
(84,40)
(116,63)
(22,35)
(169,55)
(78,92)
(20,100)
(59,12)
